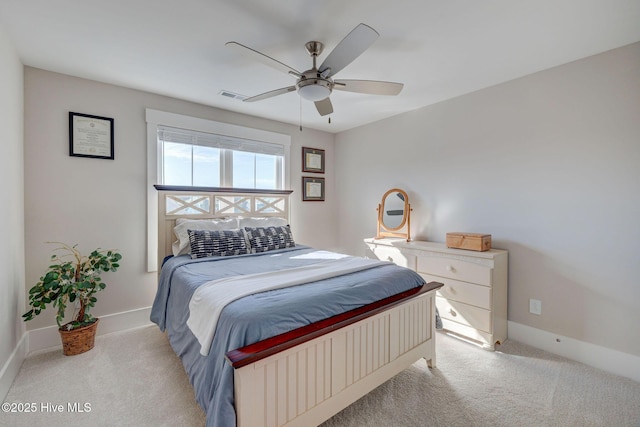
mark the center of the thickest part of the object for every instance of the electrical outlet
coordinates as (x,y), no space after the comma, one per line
(535,306)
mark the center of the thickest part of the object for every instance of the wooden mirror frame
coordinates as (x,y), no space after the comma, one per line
(404,229)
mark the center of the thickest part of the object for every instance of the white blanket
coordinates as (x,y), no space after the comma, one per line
(209,299)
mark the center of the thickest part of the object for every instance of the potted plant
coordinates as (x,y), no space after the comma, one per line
(73,278)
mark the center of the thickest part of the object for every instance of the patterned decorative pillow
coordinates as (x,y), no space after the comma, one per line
(207,243)
(262,239)
(183,225)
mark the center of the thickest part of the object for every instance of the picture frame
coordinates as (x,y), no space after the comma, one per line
(312,160)
(91,136)
(312,189)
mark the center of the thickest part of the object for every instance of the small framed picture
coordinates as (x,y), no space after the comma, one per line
(312,189)
(312,160)
(90,136)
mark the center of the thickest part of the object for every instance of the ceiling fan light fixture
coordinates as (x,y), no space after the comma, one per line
(314,89)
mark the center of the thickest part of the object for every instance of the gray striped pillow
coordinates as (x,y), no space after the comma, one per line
(207,243)
(263,239)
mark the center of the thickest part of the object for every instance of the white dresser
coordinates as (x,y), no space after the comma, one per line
(473,301)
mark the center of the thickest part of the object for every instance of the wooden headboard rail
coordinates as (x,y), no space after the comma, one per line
(212,202)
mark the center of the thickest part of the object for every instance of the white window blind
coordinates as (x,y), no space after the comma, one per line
(182,136)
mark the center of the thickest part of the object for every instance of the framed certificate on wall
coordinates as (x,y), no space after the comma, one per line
(90,136)
(312,160)
(312,189)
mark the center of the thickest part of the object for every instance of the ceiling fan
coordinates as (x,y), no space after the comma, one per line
(317,83)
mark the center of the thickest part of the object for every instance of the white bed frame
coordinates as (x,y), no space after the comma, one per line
(306,382)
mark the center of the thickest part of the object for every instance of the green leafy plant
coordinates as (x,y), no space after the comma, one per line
(72,278)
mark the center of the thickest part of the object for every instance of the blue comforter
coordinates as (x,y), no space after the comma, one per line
(259,316)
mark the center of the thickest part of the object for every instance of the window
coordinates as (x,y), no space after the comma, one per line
(203,159)
(183,150)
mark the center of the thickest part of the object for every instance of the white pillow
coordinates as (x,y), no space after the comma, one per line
(182,246)
(262,222)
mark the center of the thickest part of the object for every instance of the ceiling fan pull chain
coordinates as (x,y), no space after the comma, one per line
(300,114)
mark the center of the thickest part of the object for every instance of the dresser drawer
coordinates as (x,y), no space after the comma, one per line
(464,314)
(394,255)
(455,269)
(487,340)
(468,293)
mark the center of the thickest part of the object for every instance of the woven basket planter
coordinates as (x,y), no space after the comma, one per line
(79,340)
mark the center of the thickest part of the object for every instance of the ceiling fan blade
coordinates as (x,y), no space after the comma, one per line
(324,106)
(356,42)
(261,57)
(270,94)
(372,87)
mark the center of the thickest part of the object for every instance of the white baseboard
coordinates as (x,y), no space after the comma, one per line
(609,360)
(46,338)
(12,366)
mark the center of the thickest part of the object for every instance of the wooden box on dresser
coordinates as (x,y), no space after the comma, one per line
(473,301)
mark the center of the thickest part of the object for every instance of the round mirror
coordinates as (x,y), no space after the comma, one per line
(394,214)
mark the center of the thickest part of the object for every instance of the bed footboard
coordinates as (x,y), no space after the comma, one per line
(310,382)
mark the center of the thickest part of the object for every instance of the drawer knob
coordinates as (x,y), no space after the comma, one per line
(453,312)
(450,269)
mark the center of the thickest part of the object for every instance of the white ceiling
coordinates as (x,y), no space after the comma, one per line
(438,48)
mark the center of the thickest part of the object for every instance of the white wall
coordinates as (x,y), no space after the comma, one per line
(12,349)
(102,203)
(549,164)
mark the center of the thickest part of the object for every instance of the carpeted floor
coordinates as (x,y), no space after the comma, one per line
(133,378)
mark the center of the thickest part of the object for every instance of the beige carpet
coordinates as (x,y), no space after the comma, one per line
(133,378)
